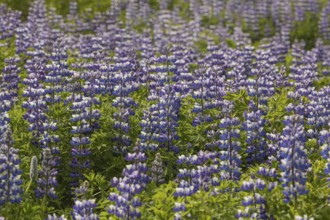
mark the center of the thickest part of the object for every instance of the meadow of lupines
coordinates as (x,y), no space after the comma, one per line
(165,109)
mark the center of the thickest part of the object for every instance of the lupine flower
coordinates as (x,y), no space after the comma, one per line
(201,91)
(84,209)
(198,176)
(84,121)
(324,25)
(35,93)
(11,77)
(125,83)
(164,117)
(305,217)
(146,135)
(254,127)
(47,176)
(55,217)
(255,205)
(10,173)
(132,183)
(229,147)
(294,160)
(325,150)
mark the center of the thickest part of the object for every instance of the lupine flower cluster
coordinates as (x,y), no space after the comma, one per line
(201,86)
(132,183)
(325,150)
(83,208)
(35,93)
(11,77)
(196,175)
(124,80)
(255,204)
(164,119)
(294,160)
(83,118)
(229,149)
(10,172)
(47,176)
(254,127)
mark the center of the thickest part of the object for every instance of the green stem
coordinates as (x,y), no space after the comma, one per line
(28,187)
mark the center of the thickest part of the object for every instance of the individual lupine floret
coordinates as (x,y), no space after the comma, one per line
(10,173)
(47,176)
(294,159)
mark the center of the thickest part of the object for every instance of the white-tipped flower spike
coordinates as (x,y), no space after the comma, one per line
(34,168)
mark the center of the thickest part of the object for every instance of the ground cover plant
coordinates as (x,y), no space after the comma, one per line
(164,109)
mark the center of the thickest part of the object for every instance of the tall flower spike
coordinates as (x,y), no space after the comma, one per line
(203,95)
(132,183)
(294,159)
(35,93)
(34,168)
(125,84)
(256,135)
(196,175)
(10,173)
(229,149)
(11,77)
(167,108)
(84,121)
(325,151)
(47,176)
